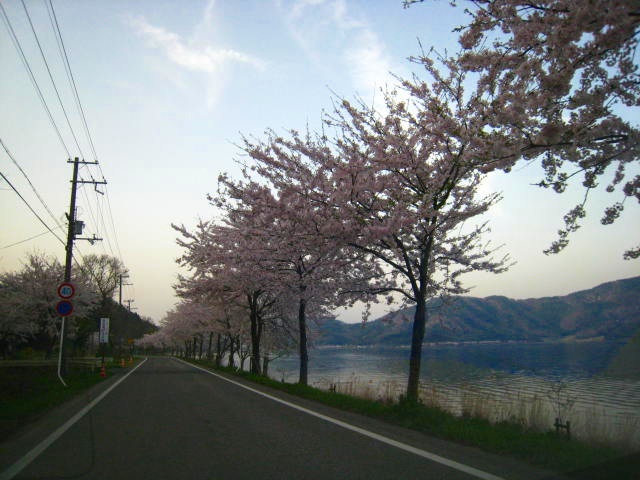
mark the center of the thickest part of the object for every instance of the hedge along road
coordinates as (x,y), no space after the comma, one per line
(169,419)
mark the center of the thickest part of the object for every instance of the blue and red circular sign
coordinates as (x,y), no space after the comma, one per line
(66,290)
(64,308)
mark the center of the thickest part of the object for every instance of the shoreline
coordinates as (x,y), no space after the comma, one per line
(554,341)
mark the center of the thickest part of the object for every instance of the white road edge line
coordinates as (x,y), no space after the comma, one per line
(381,438)
(35,452)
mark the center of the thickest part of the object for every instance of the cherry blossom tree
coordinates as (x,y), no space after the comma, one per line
(396,189)
(29,300)
(559,78)
(307,267)
(280,339)
(179,331)
(199,318)
(405,182)
(15,329)
(157,340)
(219,258)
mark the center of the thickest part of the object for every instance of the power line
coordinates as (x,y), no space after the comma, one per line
(34,82)
(28,239)
(98,218)
(91,215)
(113,225)
(65,57)
(46,207)
(46,64)
(98,221)
(31,208)
(100,204)
(63,53)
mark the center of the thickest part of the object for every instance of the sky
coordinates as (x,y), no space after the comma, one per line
(168,88)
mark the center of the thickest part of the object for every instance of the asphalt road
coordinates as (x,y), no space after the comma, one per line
(169,420)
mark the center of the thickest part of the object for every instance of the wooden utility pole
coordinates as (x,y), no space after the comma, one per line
(123,275)
(73,229)
(71,219)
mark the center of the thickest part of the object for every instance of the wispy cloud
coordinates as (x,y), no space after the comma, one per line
(205,59)
(368,62)
(324,27)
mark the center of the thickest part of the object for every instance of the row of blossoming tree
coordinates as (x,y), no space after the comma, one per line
(28,298)
(385,201)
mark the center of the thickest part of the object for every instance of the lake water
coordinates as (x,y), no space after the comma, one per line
(531,383)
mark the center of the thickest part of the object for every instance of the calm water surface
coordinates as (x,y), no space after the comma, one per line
(508,377)
(461,362)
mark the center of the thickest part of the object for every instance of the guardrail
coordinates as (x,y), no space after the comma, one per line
(88,362)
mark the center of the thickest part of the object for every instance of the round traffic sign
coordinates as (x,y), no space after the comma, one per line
(64,308)
(66,290)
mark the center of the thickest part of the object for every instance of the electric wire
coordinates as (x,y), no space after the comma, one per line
(88,205)
(34,82)
(95,216)
(65,60)
(44,204)
(100,207)
(53,18)
(55,88)
(113,226)
(28,239)
(31,208)
(63,52)
(99,217)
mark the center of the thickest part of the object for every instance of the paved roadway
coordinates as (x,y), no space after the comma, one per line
(169,420)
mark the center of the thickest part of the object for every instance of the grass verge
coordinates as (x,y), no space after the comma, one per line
(26,393)
(544,449)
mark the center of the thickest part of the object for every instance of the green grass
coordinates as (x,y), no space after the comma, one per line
(544,449)
(26,393)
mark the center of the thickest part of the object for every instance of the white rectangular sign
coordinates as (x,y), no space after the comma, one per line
(104,330)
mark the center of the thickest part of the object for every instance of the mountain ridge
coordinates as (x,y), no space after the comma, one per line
(610,311)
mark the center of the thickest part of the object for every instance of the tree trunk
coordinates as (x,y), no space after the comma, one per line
(256,330)
(201,344)
(265,365)
(231,363)
(417,337)
(218,352)
(209,347)
(304,354)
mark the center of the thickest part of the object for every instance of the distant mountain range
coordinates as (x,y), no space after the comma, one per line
(609,311)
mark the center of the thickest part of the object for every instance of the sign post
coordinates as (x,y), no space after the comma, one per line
(64,308)
(104,336)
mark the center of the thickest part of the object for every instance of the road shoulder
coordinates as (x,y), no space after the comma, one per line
(472,456)
(27,438)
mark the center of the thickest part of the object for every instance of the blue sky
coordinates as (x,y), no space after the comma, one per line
(167,87)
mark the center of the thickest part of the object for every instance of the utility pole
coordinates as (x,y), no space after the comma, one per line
(123,275)
(71,229)
(129,302)
(74,228)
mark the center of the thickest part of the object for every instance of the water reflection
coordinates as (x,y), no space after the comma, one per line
(499,381)
(551,361)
